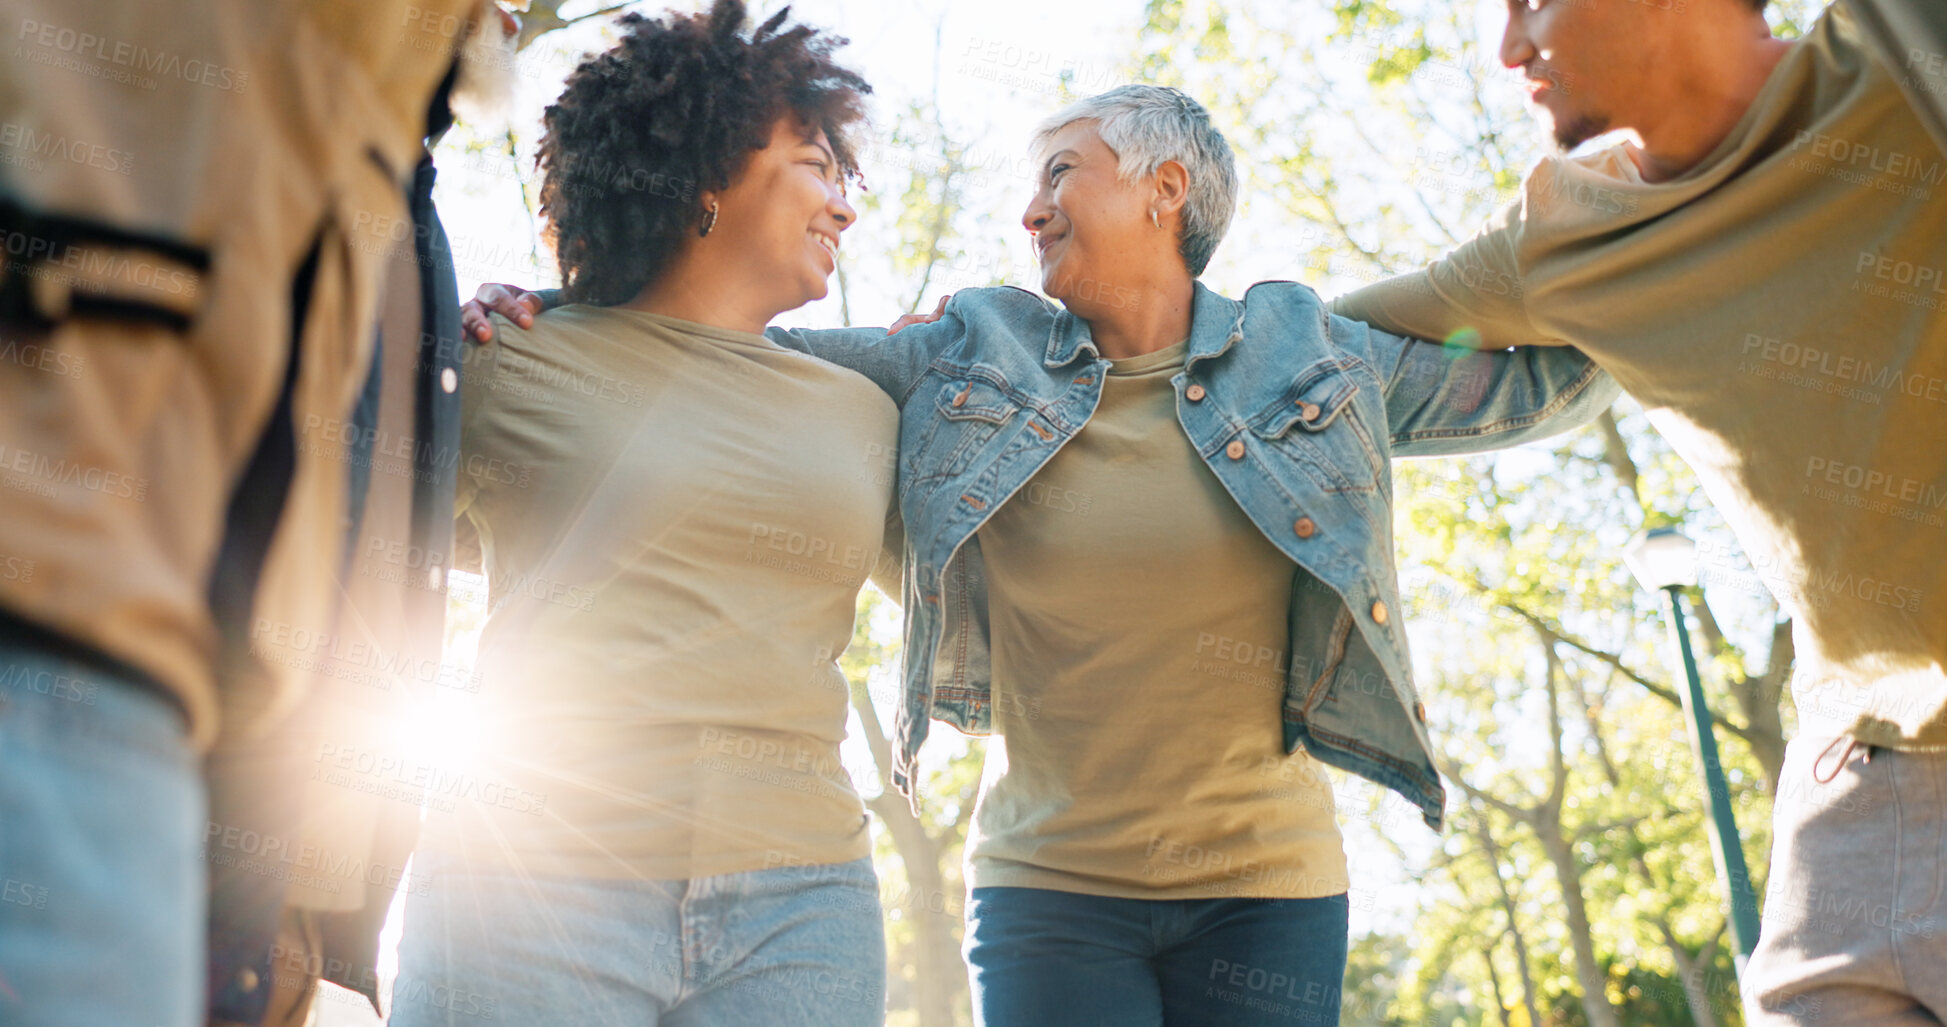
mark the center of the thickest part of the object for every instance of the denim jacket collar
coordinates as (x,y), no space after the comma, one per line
(1067,337)
(1216,324)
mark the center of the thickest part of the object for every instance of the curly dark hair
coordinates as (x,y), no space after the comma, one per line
(677,106)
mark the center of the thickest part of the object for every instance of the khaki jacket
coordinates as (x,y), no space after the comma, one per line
(277,136)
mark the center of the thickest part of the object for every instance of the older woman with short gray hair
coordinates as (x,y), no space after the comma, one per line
(1149,550)
(1142,827)
(1148,125)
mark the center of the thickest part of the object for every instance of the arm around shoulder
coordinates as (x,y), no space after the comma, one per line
(1447,399)
(893,362)
(1491,378)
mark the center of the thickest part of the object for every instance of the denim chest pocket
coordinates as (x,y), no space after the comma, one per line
(1315,424)
(967,413)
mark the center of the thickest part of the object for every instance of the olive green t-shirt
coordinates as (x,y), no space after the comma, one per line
(1780,311)
(1140,645)
(674,521)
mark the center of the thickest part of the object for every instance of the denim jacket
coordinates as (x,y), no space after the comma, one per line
(1296,411)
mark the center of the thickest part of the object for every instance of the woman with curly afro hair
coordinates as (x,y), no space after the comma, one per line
(674,516)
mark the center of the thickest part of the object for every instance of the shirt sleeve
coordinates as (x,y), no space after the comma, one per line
(1910,39)
(1472,296)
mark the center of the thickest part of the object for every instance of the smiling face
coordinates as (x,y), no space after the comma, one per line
(781,218)
(1091,229)
(1588,63)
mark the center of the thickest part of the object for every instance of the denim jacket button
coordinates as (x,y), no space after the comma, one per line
(1308,411)
(1305,528)
(1379,611)
(961,399)
(1193,393)
(1235,450)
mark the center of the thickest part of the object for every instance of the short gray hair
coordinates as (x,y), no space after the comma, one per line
(1147,125)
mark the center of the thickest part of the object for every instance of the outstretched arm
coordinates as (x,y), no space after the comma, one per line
(1448,399)
(893,367)
(1472,296)
(520,305)
(1469,391)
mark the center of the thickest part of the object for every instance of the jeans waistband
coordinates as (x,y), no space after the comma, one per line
(20,633)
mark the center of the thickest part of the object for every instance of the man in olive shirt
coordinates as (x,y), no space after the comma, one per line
(1763,271)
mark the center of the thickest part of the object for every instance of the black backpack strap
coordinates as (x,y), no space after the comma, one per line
(257,503)
(246,789)
(57,266)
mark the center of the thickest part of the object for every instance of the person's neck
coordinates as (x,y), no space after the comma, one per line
(1157,318)
(688,291)
(1717,85)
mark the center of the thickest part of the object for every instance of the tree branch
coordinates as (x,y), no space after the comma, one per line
(1611,659)
(1615,453)
(544,16)
(1557,762)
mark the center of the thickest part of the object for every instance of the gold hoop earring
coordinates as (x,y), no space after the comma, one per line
(1153,219)
(709,221)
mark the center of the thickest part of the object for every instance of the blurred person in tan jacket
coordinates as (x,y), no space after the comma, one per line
(194,205)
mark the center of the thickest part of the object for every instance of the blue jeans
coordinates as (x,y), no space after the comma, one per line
(799,946)
(101,829)
(1039,957)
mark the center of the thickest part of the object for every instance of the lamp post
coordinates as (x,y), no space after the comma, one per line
(1664,560)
